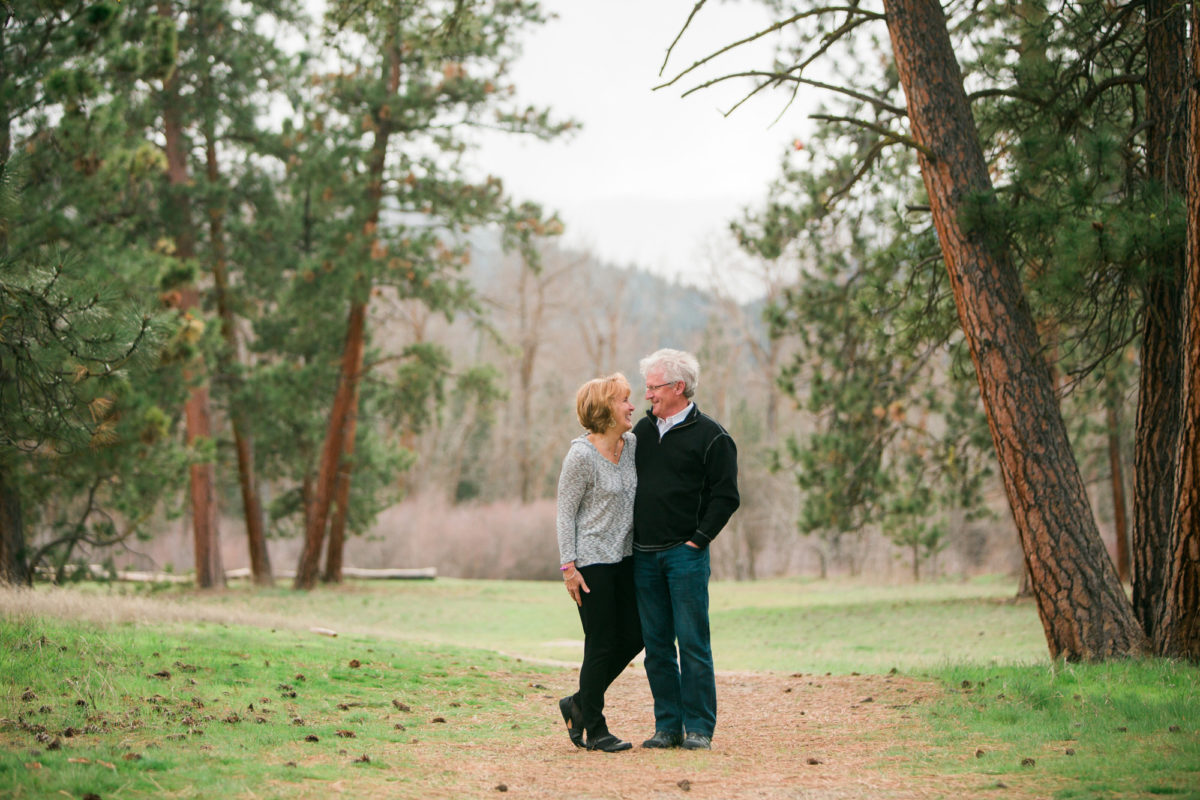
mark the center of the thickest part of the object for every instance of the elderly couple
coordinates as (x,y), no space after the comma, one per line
(638,507)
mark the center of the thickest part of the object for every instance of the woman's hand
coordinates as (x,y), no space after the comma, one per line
(576,585)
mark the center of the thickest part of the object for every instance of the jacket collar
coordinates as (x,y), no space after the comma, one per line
(695,412)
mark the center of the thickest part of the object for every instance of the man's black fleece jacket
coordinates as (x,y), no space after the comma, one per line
(687,482)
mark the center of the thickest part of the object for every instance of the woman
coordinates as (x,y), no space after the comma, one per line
(595,543)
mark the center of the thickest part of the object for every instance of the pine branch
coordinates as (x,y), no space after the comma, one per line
(832,38)
(1024,97)
(76,533)
(866,164)
(695,10)
(776,78)
(891,136)
(1103,86)
(866,17)
(1100,44)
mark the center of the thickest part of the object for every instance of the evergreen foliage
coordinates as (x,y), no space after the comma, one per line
(1059,96)
(290,207)
(83,448)
(898,442)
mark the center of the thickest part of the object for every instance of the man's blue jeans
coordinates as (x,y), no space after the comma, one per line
(672,595)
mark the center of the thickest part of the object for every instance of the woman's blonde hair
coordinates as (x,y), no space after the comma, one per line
(593,401)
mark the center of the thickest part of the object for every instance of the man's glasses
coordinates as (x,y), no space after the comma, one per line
(661,385)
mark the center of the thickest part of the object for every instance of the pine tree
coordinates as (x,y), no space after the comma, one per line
(389,197)
(1159,388)
(891,446)
(1046,494)
(85,460)
(978,237)
(238,71)
(70,350)
(1178,632)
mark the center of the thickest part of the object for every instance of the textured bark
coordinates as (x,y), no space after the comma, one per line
(1157,426)
(1032,55)
(1178,633)
(14,568)
(331,454)
(243,442)
(1117,473)
(341,498)
(206,534)
(1080,600)
(337,530)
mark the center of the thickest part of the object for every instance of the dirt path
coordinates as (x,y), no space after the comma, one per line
(778,736)
(793,737)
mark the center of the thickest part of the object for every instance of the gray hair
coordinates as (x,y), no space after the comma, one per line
(676,365)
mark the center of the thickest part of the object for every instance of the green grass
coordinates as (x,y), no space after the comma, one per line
(90,654)
(209,710)
(786,625)
(843,627)
(1121,729)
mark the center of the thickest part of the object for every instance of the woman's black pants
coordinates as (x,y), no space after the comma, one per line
(612,636)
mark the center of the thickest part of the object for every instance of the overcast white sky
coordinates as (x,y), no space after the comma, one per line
(652,178)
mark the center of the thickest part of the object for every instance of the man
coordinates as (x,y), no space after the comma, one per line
(687,490)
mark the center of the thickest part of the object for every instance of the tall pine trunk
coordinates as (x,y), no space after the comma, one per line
(341,498)
(1178,633)
(1080,600)
(1034,66)
(337,459)
(317,518)
(243,442)
(1117,479)
(206,533)
(1157,425)
(209,571)
(14,568)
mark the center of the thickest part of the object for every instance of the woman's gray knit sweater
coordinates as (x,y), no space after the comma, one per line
(595,504)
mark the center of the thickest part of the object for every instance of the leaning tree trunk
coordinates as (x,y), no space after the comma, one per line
(334,557)
(209,571)
(1157,425)
(317,518)
(335,552)
(1178,633)
(243,442)
(1083,609)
